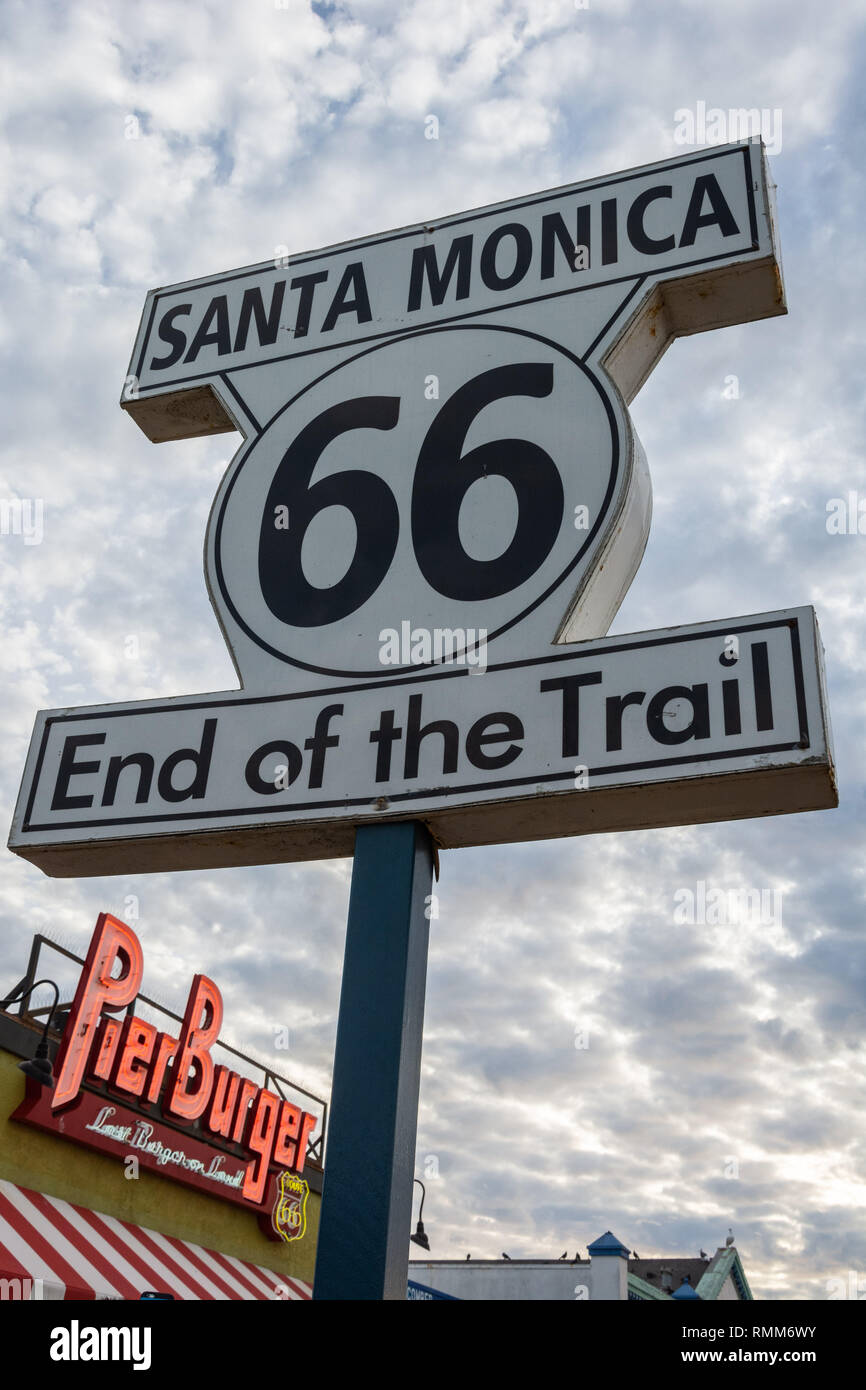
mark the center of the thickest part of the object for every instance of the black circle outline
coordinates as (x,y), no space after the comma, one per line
(390,342)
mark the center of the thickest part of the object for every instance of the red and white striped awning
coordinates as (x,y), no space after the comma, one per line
(81,1254)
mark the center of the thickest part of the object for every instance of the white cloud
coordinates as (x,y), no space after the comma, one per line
(260,126)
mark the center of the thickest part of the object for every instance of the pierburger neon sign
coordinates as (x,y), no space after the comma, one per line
(174,1077)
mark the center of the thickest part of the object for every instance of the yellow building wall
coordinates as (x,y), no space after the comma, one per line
(62,1168)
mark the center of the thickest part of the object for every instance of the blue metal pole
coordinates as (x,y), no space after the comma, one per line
(366,1214)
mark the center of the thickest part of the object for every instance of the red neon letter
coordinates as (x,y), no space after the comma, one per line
(166,1048)
(249,1090)
(260,1141)
(293,1133)
(218,1116)
(201,1025)
(286,1142)
(129,1072)
(112,941)
(102,1056)
(310,1122)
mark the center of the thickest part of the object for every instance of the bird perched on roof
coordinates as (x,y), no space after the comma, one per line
(704,1255)
(505,1257)
(564,1255)
(635,1255)
(576,1257)
(469,1257)
(730,1239)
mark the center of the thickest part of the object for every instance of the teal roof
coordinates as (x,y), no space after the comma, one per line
(642,1292)
(727,1263)
(709,1287)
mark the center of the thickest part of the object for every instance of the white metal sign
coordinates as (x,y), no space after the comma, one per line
(435,419)
(438,491)
(712,722)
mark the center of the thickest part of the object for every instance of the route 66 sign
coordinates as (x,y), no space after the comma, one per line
(457,514)
(438,480)
(289,1214)
(435,419)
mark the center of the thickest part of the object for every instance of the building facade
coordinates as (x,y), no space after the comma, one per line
(116,1192)
(608,1273)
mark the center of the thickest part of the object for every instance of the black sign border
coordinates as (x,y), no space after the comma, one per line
(157,388)
(793,624)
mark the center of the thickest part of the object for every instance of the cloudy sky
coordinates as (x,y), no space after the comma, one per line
(723,1078)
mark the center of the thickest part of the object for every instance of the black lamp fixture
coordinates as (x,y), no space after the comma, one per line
(420,1237)
(40,1066)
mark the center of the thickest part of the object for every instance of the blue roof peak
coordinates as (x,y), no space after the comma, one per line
(608,1245)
